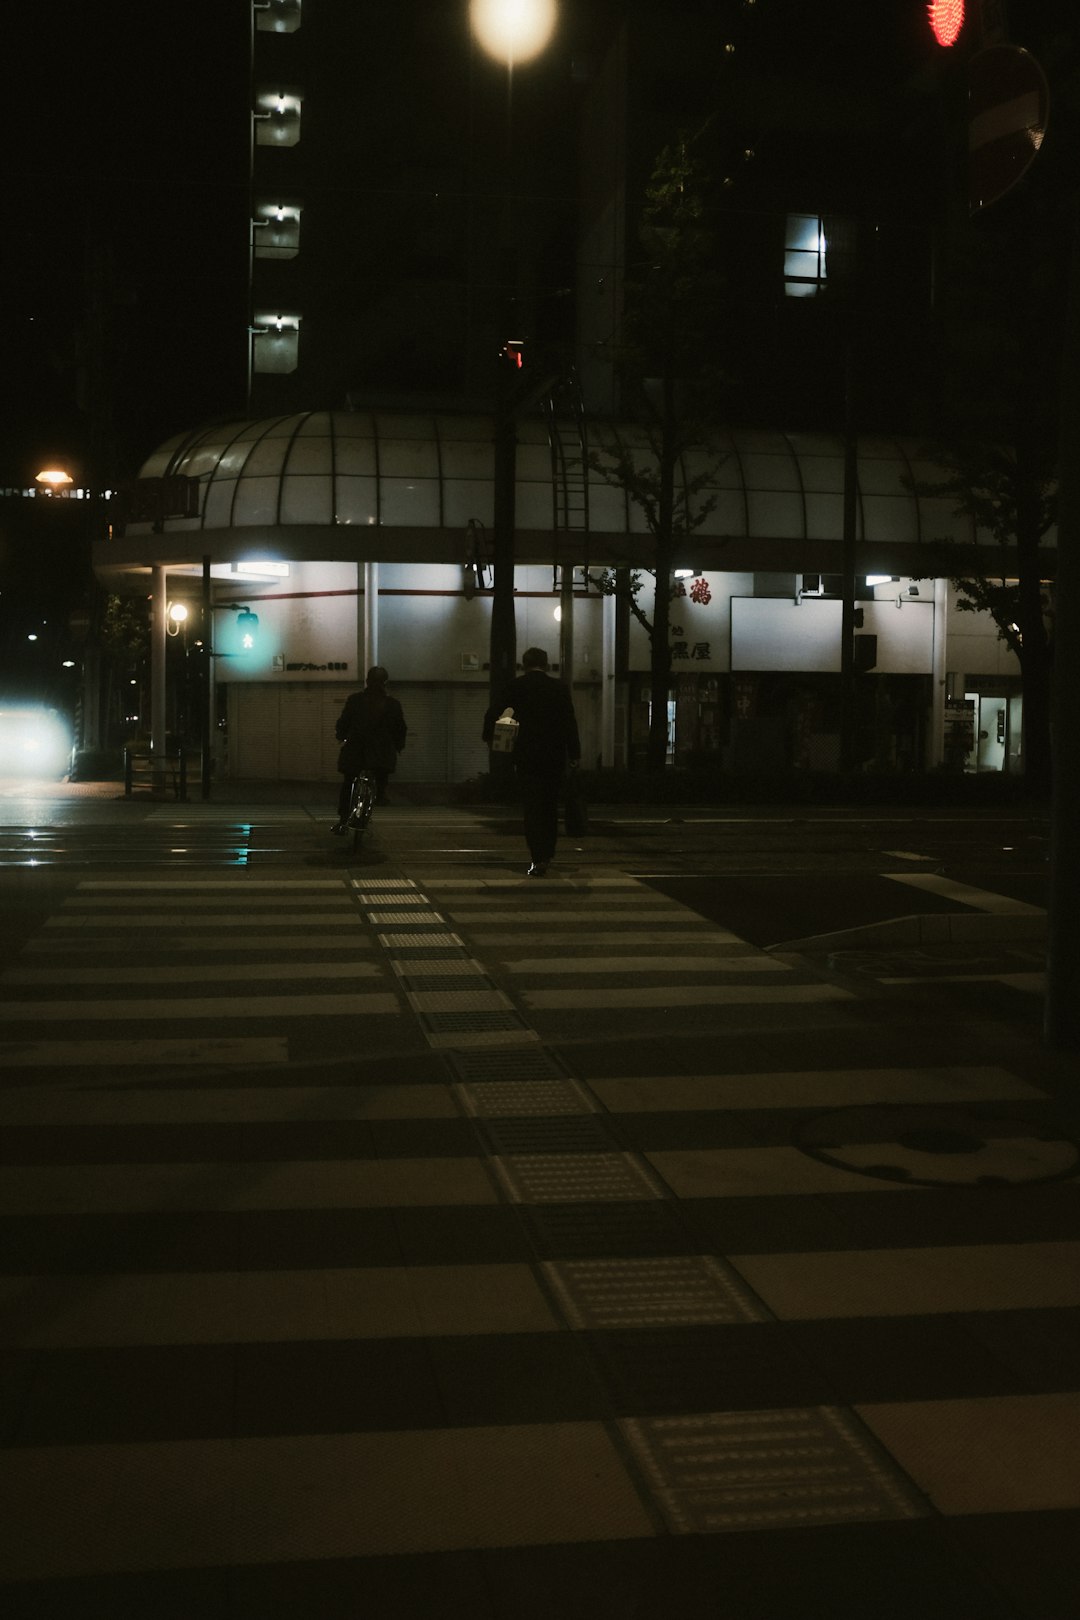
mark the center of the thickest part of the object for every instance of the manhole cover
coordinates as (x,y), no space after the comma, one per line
(938,1147)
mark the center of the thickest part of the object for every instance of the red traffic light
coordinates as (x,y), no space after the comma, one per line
(946,18)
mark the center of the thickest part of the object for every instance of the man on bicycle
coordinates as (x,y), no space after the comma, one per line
(371,729)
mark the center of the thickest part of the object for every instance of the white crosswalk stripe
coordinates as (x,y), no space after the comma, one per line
(297,1272)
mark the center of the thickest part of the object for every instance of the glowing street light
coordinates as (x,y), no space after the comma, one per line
(52,479)
(513,30)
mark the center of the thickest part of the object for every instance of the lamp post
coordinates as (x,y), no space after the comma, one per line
(55,482)
(511,31)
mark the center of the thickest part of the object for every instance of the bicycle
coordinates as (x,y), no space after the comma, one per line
(360,801)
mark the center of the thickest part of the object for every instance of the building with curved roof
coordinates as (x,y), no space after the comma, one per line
(357,537)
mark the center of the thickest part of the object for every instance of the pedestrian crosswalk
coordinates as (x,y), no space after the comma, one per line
(424,1216)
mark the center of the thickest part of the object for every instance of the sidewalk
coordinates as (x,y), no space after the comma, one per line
(590,1263)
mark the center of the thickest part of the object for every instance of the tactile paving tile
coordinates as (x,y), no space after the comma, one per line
(462,979)
(572,1231)
(537,1064)
(768,1470)
(438,967)
(559,1133)
(575,1178)
(470,1023)
(496,1099)
(691,1290)
(397,942)
(392,897)
(474,999)
(383,883)
(385,919)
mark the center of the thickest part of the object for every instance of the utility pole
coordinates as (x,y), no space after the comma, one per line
(1061,1025)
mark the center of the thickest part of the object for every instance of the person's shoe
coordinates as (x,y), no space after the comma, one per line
(538,869)
(339,829)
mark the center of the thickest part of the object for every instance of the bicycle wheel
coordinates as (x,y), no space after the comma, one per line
(361,801)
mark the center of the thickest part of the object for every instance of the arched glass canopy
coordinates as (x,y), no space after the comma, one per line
(343,484)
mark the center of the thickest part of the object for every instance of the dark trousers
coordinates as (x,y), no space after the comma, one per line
(540,806)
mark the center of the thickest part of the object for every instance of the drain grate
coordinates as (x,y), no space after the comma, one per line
(693,1290)
(715,1471)
(474,1068)
(495,1099)
(568,1178)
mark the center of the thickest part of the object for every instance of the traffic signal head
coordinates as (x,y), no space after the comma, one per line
(247,623)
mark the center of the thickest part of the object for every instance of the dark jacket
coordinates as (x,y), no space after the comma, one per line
(548,739)
(372,728)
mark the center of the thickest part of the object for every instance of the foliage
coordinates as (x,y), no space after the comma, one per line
(125,628)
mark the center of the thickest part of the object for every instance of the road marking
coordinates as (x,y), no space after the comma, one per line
(252,1307)
(1034,982)
(705,933)
(238,883)
(166,1008)
(740,963)
(140,973)
(810,1088)
(261,1049)
(163,1188)
(208,919)
(915,1282)
(597,998)
(978,899)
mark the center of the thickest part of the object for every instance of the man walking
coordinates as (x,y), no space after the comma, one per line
(547,743)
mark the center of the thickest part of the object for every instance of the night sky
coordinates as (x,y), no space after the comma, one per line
(125,215)
(127,149)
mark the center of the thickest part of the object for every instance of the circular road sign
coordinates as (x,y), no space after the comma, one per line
(1008,107)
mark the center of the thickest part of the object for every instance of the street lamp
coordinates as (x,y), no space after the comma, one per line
(513,30)
(52,479)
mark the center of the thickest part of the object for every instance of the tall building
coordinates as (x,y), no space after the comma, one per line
(414,208)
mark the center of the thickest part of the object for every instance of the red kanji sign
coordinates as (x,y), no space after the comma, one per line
(1008,108)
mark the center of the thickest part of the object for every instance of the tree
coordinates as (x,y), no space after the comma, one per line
(671,388)
(999,442)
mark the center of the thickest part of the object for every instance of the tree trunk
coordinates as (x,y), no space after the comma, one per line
(660,652)
(660,663)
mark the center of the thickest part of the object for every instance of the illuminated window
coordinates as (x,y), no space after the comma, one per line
(275,341)
(804,256)
(277,16)
(277,229)
(277,116)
